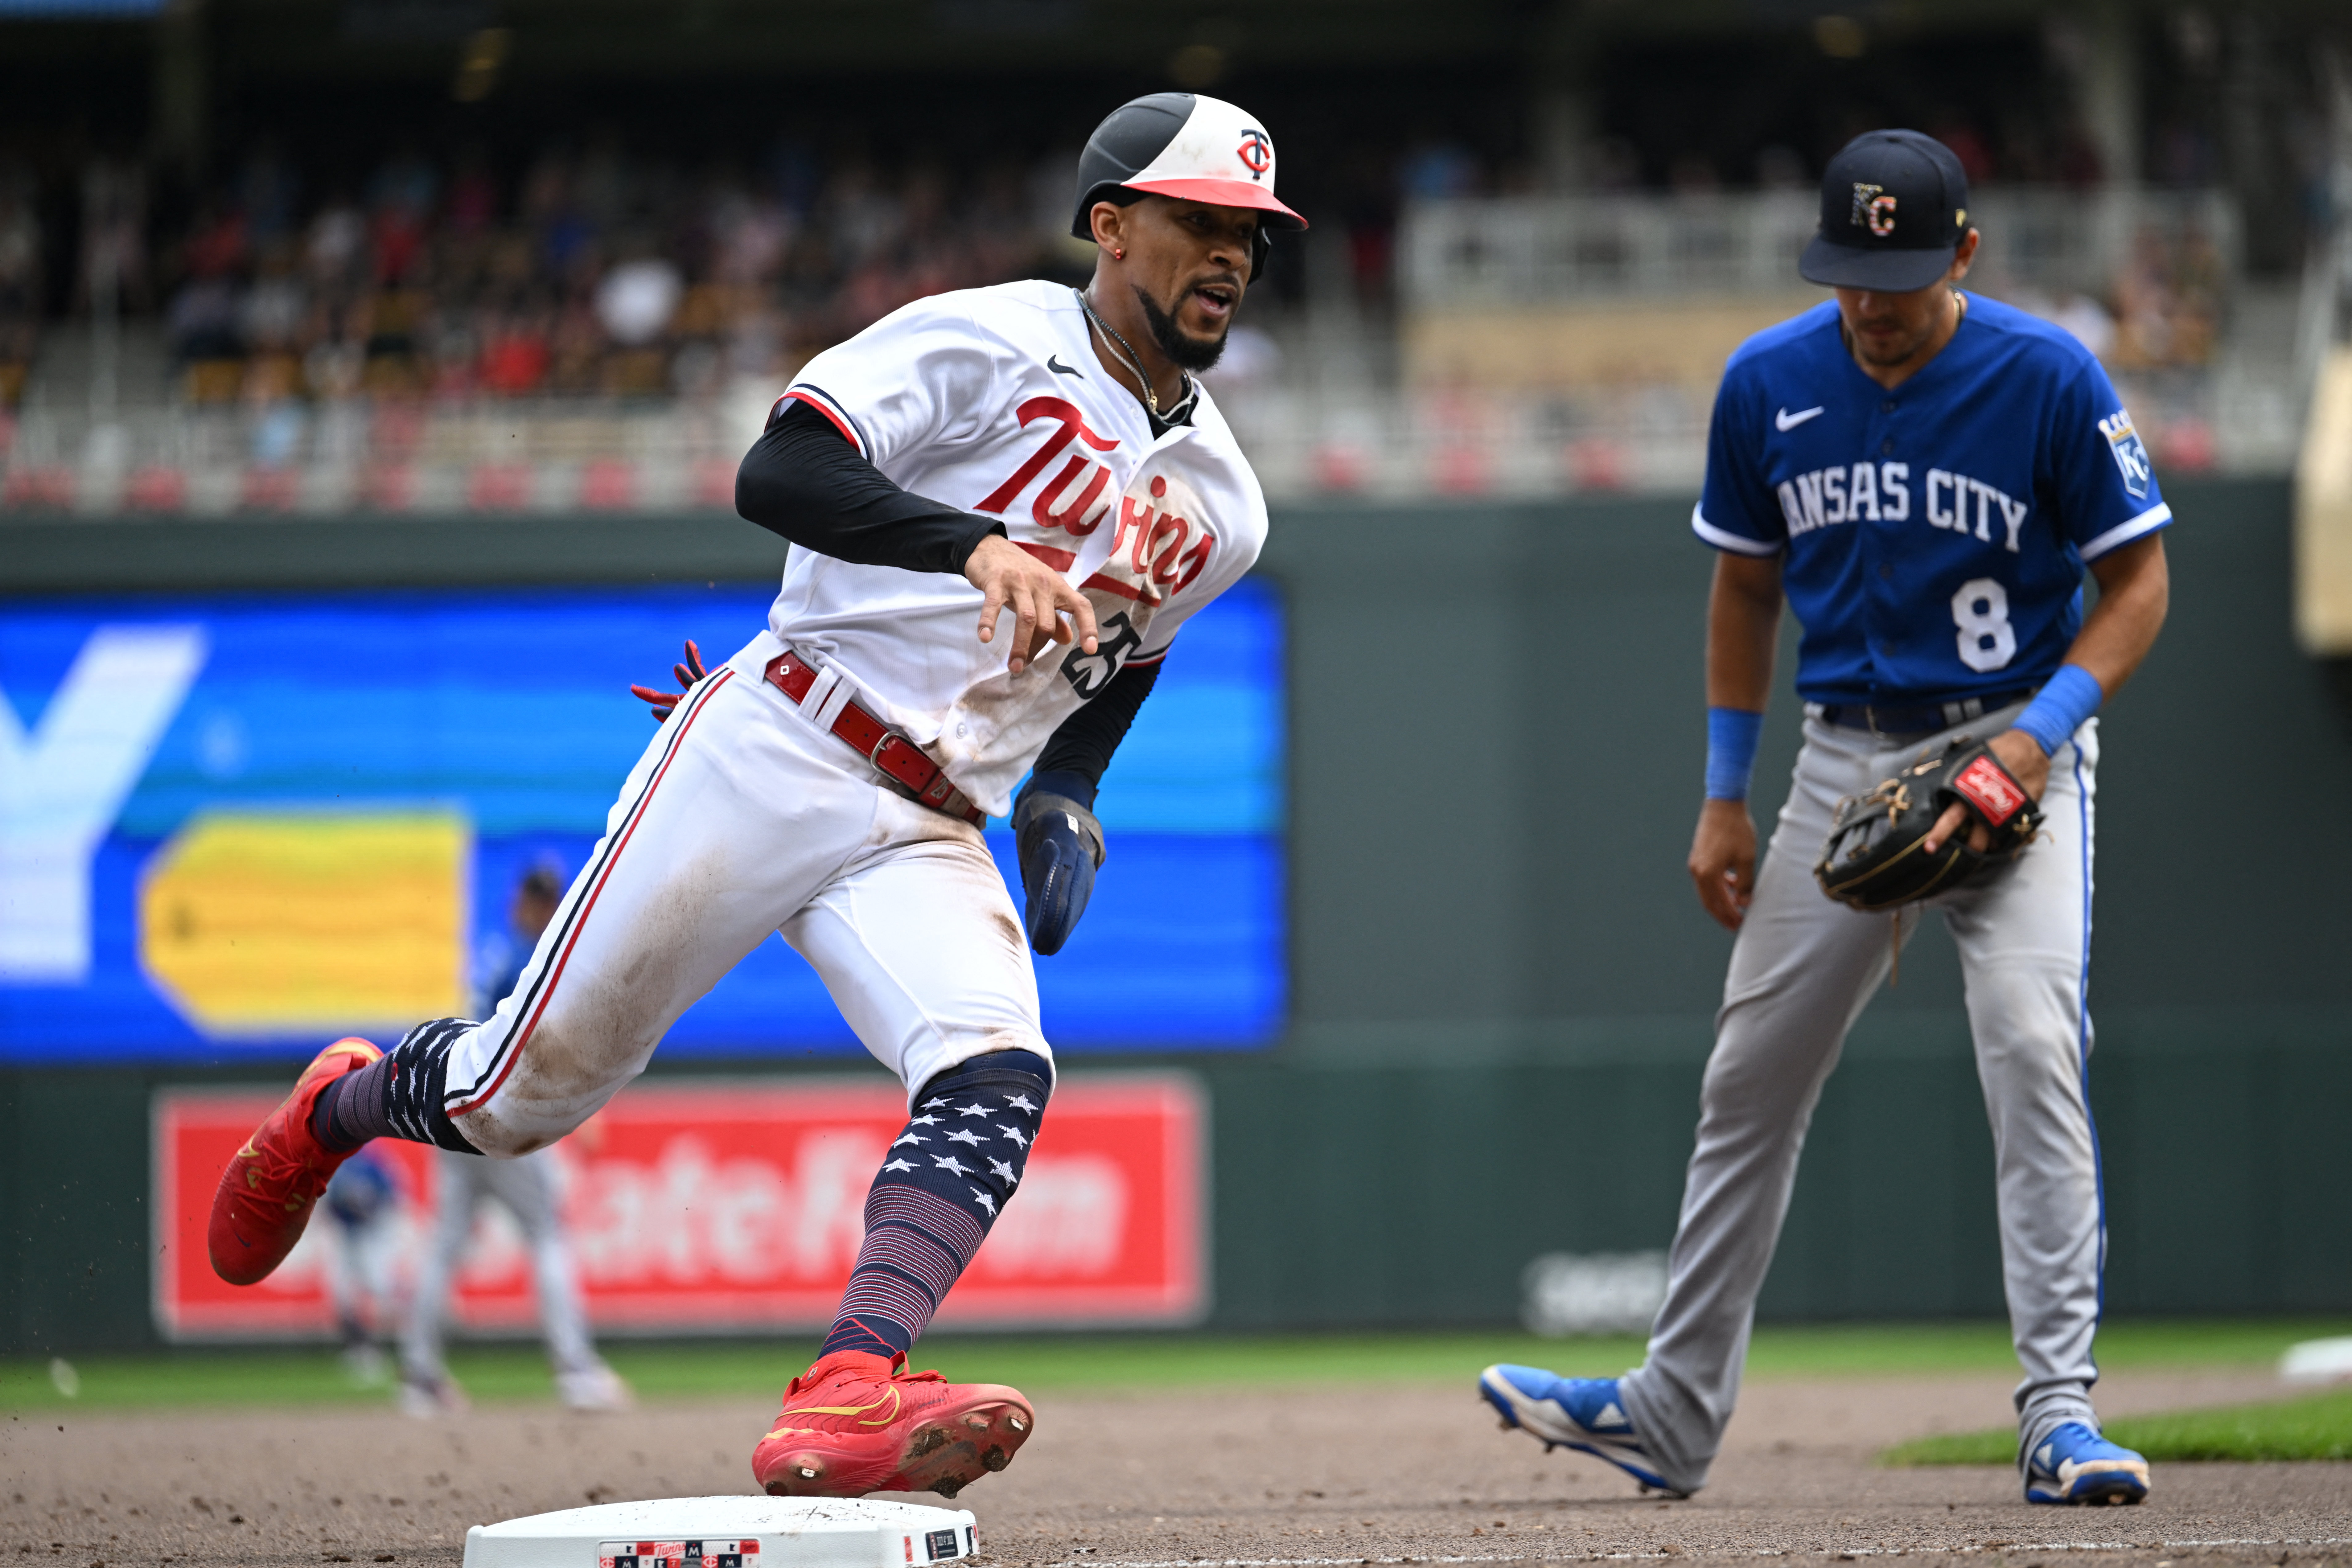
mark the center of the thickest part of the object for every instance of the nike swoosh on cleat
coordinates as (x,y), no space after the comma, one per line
(1054,363)
(889,1397)
(1785,421)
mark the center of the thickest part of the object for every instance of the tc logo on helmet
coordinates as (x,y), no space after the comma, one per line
(1257,153)
(1873,209)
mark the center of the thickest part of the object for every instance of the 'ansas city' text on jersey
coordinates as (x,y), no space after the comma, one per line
(993,400)
(1935,535)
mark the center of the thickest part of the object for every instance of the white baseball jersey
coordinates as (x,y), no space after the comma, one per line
(993,400)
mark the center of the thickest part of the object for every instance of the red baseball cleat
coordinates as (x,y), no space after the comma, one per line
(266,1195)
(854,1423)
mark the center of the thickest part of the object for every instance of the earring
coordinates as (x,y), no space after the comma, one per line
(1118,254)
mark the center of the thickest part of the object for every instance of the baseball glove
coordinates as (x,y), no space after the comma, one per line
(1875,857)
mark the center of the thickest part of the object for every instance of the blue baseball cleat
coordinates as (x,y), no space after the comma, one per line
(2075,1464)
(1580,1413)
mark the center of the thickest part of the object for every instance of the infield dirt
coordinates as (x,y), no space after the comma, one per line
(1307,1474)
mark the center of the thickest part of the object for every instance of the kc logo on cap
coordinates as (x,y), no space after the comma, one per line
(1873,209)
(1893,211)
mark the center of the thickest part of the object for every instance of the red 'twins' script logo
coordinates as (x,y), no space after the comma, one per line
(1062,502)
(1148,558)
(1156,552)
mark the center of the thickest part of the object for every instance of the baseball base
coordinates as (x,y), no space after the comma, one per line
(728,1532)
(2318,1361)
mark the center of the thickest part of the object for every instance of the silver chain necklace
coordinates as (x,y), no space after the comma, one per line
(1127,357)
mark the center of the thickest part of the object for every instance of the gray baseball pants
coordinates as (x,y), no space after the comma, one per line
(526,1187)
(1801,970)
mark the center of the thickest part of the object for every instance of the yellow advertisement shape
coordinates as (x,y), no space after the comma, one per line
(289,922)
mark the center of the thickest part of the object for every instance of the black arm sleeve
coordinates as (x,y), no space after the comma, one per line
(1084,742)
(803,480)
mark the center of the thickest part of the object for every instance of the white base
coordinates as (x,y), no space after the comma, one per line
(729,1533)
(2317,1361)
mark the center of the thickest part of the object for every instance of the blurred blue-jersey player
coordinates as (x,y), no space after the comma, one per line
(1923,475)
(363,1200)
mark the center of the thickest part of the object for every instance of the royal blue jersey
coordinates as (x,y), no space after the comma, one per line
(1935,535)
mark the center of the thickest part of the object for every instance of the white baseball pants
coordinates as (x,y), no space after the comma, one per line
(1801,970)
(742,817)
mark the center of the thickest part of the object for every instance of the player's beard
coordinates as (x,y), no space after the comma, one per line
(1187,352)
(1906,348)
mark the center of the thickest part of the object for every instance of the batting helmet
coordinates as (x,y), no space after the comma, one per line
(1185,145)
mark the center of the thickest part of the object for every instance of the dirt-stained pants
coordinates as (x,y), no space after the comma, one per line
(744,818)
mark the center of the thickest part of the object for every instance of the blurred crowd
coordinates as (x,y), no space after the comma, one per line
(2163,309)
(587,269)
(20,282)
(592,271)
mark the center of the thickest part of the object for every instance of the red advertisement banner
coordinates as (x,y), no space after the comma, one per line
(713,1206)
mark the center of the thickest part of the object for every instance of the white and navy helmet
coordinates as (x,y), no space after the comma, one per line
(1185,145)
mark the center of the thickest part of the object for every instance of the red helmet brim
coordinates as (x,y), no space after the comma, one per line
(1221,193)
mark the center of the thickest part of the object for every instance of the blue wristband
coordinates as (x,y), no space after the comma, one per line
(2058,709)
(1731,736)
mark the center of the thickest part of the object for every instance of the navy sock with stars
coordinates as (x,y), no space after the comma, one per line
(398,1097)
(946,1179)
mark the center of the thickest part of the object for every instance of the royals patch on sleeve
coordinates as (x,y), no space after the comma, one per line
(1991,790)
(2129,452)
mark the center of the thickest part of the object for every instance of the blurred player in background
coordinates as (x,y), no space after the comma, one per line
(363,1200)
(531,1189)
(1924,474)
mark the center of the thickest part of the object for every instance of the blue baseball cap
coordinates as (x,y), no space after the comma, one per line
(1895,206)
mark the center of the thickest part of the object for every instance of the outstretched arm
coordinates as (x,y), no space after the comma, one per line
(803,480)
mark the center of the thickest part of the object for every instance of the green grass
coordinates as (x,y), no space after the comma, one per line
(2316,1427)
(1109,1364)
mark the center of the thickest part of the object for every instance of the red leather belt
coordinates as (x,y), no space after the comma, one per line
(899,759)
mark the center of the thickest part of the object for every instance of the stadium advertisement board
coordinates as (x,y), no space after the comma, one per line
(234,826)
(715,1206)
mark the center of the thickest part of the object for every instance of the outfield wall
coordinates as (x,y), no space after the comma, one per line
(1501,984)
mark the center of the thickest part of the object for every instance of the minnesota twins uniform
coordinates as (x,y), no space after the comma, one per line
(829,781)
(1933,539)
(747,815)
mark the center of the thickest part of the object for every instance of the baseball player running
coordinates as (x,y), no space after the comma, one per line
(1924,473)
(1005,502)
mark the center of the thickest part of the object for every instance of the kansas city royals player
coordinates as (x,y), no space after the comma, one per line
(1027,450)
(1924,474)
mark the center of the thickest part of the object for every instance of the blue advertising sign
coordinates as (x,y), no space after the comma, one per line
(239,824)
